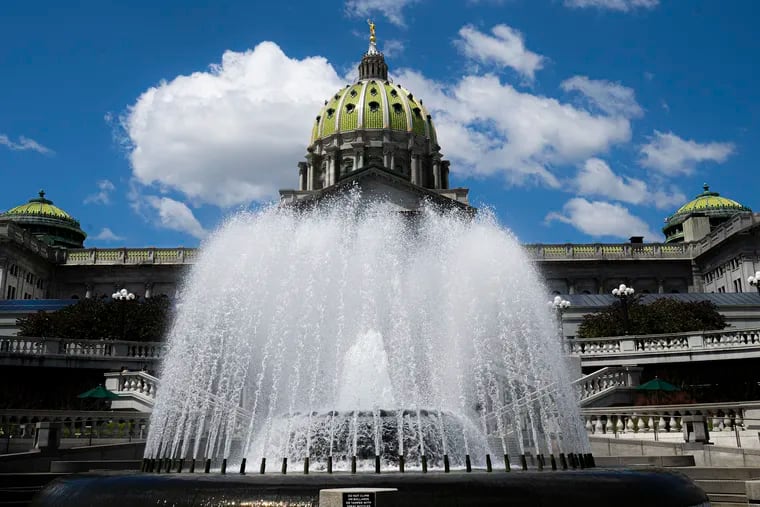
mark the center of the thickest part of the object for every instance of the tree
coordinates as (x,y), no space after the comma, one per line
(663,315)
(98,319)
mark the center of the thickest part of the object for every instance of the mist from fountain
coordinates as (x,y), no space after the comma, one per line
(352,330)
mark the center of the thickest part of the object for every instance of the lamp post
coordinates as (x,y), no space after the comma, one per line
(755,281)
(623,293)
(559,306)
(122,296)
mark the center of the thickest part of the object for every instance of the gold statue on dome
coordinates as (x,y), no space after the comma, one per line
(372,38)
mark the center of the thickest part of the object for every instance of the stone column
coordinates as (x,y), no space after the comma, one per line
(303,169)
(415,169)
(696,278)
(3,276)
(436,174)
(660,286)
(310,177)
(88,291)
(570,286)
(148,290)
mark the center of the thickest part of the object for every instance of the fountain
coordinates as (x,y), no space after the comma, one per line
(352,331)
(371,323)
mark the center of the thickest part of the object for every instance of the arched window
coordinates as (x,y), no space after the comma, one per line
(398,108)
(374,107)
(350,108)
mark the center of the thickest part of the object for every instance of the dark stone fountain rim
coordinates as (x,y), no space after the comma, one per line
(603,487)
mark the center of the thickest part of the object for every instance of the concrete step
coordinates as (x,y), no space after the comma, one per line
(720,473)
(721,486)
(727,499)
(728,504)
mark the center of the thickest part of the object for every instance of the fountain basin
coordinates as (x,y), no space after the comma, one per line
(587,488)
(366,433)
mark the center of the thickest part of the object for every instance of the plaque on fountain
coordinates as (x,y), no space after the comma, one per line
(357,497)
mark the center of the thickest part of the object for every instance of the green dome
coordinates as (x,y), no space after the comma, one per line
(709,204)
(47,222)
(373,104)
(40,206)
(710,201)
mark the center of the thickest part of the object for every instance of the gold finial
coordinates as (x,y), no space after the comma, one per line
(372,38)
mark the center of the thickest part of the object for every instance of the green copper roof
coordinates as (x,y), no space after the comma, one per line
(41,207)
(373,104)
(47,222)
(710,201)
(709,204)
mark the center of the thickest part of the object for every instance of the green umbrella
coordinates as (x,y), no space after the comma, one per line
(100,393)
(657,384)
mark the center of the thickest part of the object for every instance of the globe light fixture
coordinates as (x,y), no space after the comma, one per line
(755,281)
(559,306)
(624,293)
(122,295)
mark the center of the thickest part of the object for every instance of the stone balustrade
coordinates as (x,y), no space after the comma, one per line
(674,347)
(726,421)
(611,251)
(128,383)
(60,352)
(606,381)
(91,348)
(76,424)
(111,256)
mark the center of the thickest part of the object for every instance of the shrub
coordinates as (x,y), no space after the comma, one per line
(663,315)
(96,319)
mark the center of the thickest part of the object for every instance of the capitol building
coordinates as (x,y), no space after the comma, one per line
(376,135)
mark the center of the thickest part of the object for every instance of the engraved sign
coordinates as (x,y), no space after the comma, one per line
(359,499)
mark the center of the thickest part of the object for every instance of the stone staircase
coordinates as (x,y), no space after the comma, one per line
(724,485)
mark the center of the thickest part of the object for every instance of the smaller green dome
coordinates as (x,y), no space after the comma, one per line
(709,201)
(40,206)
(707,204)
(47,222)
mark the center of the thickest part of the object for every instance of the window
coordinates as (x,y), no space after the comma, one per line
(417,112)
(350,108)
(738,285)
(374,107)
(398,108)
(330,112)
(373,91)
(13,269)
(721,289)
(27,295)
(11,292)
(353,93)
(393,93)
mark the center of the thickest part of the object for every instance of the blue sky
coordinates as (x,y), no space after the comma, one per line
(575,120)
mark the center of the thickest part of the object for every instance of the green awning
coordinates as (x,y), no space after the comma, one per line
(99,392)
(657,384)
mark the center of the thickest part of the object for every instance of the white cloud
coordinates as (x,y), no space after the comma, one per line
(176,215)
(672,155)
(232,134)
(487,127)
(614,5)
(24,144)
(391,9)
(106,234)
(103,195)
(612,98)
(600,218)
(596,178)
(392,47)
(506,48)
